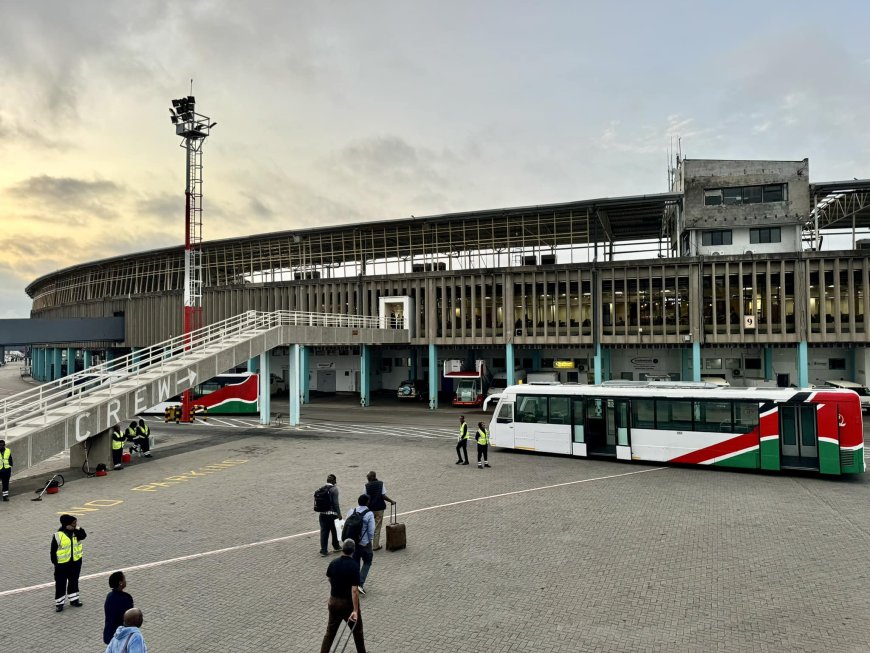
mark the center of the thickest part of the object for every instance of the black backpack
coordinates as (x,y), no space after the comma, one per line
(353,526)
(322,500)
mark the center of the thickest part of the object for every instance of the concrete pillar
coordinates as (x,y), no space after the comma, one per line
(252,365)
(43,363)
(536,360)
(304,373)
(98,449)
(36,363)
(413,372)
(87,358)
(265,396)
(70,360)
(696,361)
(596,364)
(365,370)
(684,364)
(57,361)
(433,376)
(803,366)
(605,364)
(767,353)
(509,362)
(297,373)
(110,355)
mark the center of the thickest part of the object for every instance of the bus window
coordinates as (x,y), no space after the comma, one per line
(505,414)
(559,410)
(674,414)
(531,409)
(713,416)
(643,414)
(578,417)
(745,416)
(622,422)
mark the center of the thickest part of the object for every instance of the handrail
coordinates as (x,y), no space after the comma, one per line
(105,377)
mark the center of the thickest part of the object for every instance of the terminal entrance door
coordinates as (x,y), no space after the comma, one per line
(798,436)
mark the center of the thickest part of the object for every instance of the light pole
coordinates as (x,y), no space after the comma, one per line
(193,128)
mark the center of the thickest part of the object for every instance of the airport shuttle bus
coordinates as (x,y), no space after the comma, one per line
(225,394)
(693,423)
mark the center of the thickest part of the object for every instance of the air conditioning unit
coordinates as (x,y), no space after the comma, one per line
(735,372)
(687,338)
(715,253)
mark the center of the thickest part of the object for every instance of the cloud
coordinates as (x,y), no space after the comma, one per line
(68,197)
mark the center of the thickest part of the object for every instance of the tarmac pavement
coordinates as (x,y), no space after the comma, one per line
(539,553)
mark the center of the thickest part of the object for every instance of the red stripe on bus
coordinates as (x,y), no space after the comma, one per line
(744,441)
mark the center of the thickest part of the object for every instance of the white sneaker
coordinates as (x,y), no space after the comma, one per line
(361,590)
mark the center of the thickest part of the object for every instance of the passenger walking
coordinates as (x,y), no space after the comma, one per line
(5,468)
(343,605)
(482,444)
(326,503)
(377,504)
(117,603)
(143,438)
(128,638)
(117,447)
(66,556)
(359,525)
(462,445)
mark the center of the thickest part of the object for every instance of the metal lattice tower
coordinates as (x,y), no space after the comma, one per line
(193,128)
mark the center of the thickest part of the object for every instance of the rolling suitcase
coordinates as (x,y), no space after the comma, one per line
(344,637)
(395,532)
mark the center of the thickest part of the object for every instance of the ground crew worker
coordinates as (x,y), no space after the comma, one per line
(130,434)
(66,556)
(117,447)
(143,438)
(5,468)
(462,445)
(482,444)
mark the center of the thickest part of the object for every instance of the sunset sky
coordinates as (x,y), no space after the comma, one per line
(346,111)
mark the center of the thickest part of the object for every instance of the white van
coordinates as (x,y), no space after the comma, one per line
(542,377)
(499,381)
(863,391)
(717,380)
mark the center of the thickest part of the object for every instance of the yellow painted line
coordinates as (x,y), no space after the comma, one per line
(525,448)
(287,538)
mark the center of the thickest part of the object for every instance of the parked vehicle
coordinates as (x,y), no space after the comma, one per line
(542,377)
(277,385)
(413,389)
(469,385)
(499,381)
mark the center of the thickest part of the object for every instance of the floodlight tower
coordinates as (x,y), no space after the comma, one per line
(193,128)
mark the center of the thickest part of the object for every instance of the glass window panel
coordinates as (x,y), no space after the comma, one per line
(732,196)
(789,428)
(774,193)
(578,419)
(745,417)
(559,410)
(752,195)
(713,416)
(808,426)
(505,414)
(713,364)
(674,414)
(531,409)
(622,422)
(713,197)
(643,414)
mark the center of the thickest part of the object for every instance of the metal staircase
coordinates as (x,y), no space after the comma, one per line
(51,417)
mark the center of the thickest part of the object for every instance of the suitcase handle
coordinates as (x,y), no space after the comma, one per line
(393,513)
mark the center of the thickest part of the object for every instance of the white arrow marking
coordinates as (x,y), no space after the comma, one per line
(189,379)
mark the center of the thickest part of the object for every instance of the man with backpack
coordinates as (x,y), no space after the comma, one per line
(359,526)
(326,503)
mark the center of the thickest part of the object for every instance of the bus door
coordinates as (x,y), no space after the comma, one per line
(600,429)
(503,434)
(623,429)
(578,426)
(798,436)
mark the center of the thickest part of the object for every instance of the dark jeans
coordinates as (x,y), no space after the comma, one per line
(481,451)
(462,449)
(66,581)
(143,443)
(363,553)
(327,527)
(4,477)
(339,611)
(116,456)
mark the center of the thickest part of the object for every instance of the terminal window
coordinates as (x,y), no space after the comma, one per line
(765,235)
(716,237)
(745,195)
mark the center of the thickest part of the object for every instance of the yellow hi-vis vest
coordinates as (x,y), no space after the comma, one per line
(117,440)
(67,547)
(482,436)
(142,431)
(463,431)
(4,459)
(129,433)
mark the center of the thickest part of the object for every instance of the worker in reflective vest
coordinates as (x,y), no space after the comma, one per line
(117,446)
(482,445)
(66,556)
(462,445)
(143,438)
(5,468)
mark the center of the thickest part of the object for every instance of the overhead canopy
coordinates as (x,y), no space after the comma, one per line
(840,204)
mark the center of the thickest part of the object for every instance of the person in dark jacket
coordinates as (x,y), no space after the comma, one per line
(117,603)
(328,517)
(377,504)
(117,447)
(5,468)
(66,556)
(143,438)
(344,581)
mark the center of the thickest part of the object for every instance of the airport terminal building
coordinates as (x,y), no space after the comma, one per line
(723,276)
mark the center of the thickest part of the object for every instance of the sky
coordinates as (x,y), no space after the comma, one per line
(346,111)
